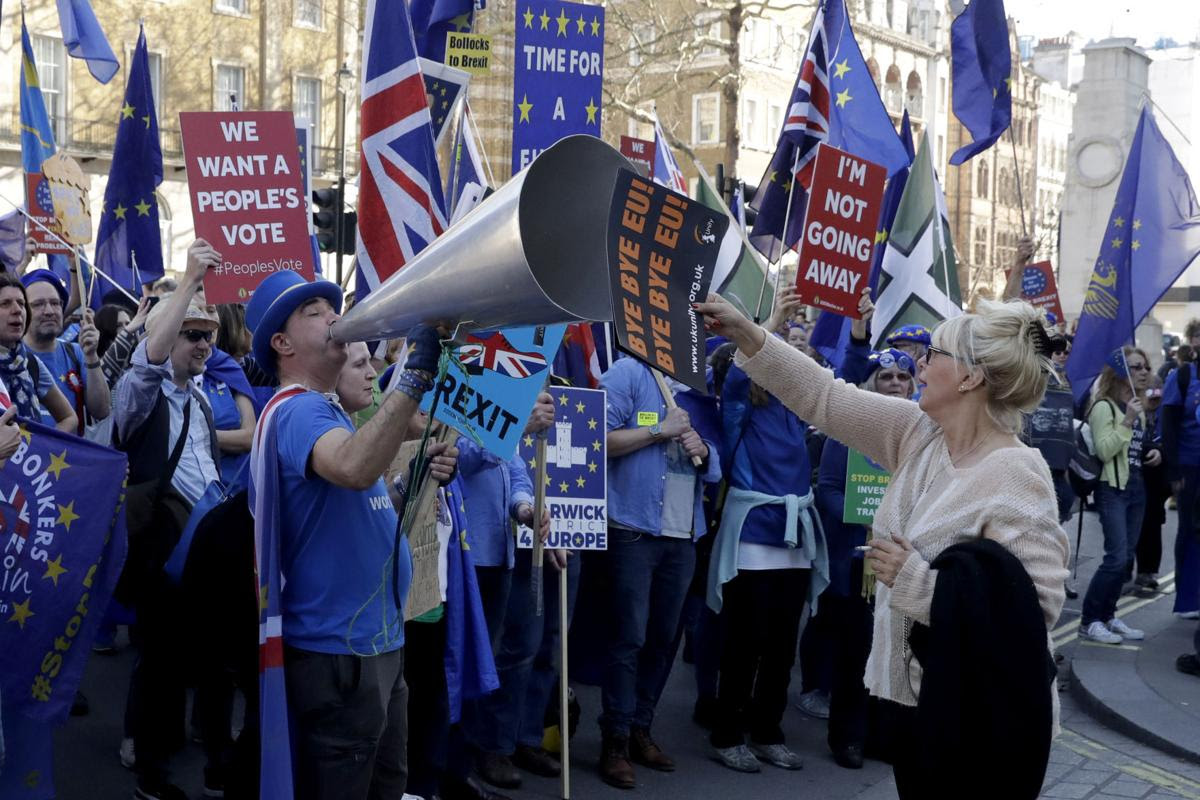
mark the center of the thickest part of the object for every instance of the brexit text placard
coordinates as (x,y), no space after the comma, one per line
(866,484)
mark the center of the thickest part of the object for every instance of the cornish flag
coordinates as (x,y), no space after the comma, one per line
(497,354)
(400,204)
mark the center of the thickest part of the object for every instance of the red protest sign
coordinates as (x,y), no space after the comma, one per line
(247,190)
(640,152)
(838,238)
(40,202)
(1040,289)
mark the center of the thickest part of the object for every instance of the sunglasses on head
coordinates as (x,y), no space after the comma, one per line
(194,336)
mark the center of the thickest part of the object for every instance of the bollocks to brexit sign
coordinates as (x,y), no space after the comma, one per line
(576,493)
(558,75)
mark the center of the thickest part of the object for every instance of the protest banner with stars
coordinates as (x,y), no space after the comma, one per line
(576,483)
(558,75)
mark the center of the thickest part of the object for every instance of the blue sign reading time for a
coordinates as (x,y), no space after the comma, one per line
(558,73)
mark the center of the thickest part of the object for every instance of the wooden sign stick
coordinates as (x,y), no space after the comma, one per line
(669,399)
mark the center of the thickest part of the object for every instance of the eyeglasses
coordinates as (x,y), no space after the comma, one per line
(1138,368)
(931,350)
(194,336)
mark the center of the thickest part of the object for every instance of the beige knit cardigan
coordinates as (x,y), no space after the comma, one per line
(1008,497)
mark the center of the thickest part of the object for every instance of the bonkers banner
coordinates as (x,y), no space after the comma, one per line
(62,508)
(558,75)
(488,392)
(576,482)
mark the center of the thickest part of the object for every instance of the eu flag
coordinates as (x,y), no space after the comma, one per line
(981,72)
(834,100)
(128,245)
(84,38)
(433,19)
(1153,234)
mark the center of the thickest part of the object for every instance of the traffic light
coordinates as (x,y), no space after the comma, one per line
(749,190)
(325,214)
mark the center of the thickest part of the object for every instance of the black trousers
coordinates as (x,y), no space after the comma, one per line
(428,705)
(851,618)
(761,611)
(158,686)
(913,782)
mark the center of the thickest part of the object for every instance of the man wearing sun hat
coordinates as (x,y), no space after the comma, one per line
(332,569)
(160,418)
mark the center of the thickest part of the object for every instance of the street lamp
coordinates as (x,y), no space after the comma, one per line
(344,78)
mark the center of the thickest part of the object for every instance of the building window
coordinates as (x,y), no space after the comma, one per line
(307,13)
(981,187)
(752,132)
(642,43)
(941,154)
(914,95)
(50,57)
(231,88)
(981,246)
(706,118)
(155,61)
(307,107)
(710,27)
(231,6)
(639,129)
(893,95)
(774,122)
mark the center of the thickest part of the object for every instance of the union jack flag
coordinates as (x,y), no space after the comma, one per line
(807,123)
(666,169)
(497,354)
(401,208)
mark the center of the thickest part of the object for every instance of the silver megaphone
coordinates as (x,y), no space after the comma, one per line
(533,253)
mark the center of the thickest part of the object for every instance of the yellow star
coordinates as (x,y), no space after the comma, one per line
(127,111)
(1119,222)
(528,15)
(579,407)
(1137,224)
(842,68)
(525,106)
(119,211)
(54,569)
(591,110)
(545,20)
(580,482)
(595,26)
(596,445)
(562,399)
(880,237)
(562,21)
(66,515)
(547,480)
(58,464)
(33,778)
(591,466)
(445,105)
(1117,242)
(773,174)
(25,434)
(528,440)
(580,23)
(146,119)
(143,209)
(1008,84)
(462,22)
(443,91)
(463,540)
(1135,244)
(21,613)
(262,598)
(843,97)
(563,486)
(591,424)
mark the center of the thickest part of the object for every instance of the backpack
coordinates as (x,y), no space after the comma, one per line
(1085,467)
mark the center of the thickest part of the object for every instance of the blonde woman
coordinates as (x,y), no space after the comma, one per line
(1116,419)
(959,472)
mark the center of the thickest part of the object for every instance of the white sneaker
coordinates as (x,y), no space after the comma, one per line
(1124,631)
(128,760)
(1188,614)
(1098,632)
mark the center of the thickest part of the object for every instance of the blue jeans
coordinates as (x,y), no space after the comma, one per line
(649,577)
(1187,544)
(1121,519)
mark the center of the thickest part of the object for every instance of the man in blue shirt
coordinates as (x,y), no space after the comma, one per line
(345,572)
(75,366)
(1181,450)
(655,515)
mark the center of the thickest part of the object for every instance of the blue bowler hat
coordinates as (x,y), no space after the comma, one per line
(46,276)
(274,301)
(911,333)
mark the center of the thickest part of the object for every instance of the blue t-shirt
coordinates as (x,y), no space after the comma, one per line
(1189,428)
(226,417)
(65,365)
(336,545)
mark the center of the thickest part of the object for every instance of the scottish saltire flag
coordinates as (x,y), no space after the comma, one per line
(666,168)
(918,277)
(831,335)
(577,360)
(981,72)
(275,769)
(400,203)
(1153,234)
(444,86)
(84,38)
(433,19)
(129,232)
(62,505)
(835,100)
(466,162)
(496,353)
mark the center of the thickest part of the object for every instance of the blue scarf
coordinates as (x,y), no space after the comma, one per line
(14,370)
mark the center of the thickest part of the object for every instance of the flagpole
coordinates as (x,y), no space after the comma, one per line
(787,212)
(1020,191)
(80,257)
(564,689)
(487,164)
(938,231)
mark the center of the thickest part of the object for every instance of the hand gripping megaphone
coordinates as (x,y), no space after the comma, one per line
(533,253)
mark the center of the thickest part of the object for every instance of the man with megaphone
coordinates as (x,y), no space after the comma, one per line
(323,519)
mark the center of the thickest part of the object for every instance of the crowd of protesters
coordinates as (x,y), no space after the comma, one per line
(726,536)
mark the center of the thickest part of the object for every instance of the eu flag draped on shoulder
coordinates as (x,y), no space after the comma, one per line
(834,100)
(1153,233)
(981,69)
(84,38)
(400,203)
(433,19)
(128,244)
(831,334)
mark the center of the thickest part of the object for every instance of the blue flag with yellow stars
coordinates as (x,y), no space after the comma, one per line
(433,19)
(128,244)
(981,72)
(443,87)
(1153,234)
